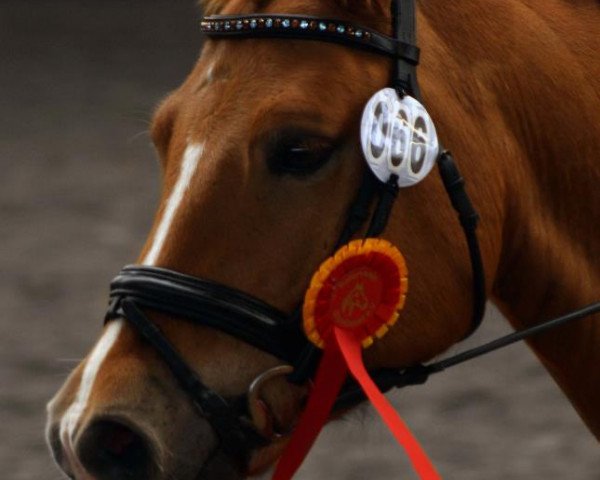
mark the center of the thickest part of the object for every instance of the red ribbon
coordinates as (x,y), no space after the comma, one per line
(328,382)
(341,355)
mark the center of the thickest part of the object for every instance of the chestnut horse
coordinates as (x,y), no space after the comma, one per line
(513,87)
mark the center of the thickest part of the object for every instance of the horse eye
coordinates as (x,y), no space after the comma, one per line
(297,154)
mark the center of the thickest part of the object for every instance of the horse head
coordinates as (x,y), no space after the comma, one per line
(261,161)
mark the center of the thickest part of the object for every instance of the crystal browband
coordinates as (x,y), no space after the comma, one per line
(308,28)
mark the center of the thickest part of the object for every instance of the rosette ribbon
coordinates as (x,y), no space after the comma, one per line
(354,297)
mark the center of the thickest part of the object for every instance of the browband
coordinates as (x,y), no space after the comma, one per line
(302,27)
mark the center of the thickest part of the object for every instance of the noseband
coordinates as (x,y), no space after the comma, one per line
(138,289)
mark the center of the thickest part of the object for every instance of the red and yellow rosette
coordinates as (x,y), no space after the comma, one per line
(354,297)
(361,289)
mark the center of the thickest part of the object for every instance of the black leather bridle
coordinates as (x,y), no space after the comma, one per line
(138,289)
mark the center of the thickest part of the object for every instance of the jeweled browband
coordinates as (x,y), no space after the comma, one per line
(302,27)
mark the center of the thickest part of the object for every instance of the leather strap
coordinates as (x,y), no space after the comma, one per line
(404,22)
(303,27)
(207,303)
(469,219)
(236,434)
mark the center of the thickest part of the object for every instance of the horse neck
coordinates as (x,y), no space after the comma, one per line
(547,271)
(549,262)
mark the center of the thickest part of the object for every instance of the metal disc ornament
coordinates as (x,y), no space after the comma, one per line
(398,137)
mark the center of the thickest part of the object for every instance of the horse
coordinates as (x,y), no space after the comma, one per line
(261,160)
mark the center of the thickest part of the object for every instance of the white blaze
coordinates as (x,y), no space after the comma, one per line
(94,362)
(210,73)
(192,155)
(73,415)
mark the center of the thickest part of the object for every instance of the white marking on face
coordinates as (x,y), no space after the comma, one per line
(192,155)
(73,415)
(210,73)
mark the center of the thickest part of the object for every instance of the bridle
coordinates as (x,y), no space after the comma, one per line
(140,288)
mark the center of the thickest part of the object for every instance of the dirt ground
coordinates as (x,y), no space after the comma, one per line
(78,185)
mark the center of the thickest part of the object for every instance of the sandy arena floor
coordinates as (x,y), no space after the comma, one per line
(78,185)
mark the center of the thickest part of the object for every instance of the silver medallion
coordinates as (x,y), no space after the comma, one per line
(398,138)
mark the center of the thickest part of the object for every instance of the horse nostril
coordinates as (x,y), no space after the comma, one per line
(111,450)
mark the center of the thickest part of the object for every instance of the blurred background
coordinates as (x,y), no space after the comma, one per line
(79,80)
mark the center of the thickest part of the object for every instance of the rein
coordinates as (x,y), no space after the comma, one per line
(140,288)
